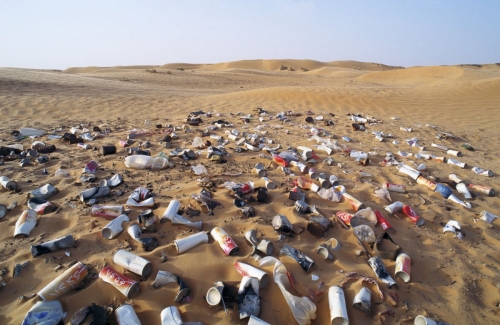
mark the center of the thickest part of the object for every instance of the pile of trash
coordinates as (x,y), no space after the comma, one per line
(309,181)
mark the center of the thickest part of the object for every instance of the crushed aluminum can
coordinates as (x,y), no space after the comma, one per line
(303,260)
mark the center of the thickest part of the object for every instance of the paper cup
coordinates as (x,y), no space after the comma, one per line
(409,171)
(50,246)
(185,244)
(124,284)
(338,309)
(270,185)
(323,251)
(125,314)
(362,300)
(422,320)
(107,211)
(248,270)
(64,282)
(214,294)
(132,262)
(44,192)
(26,222)
(403,267)
(227,244)
(114,228)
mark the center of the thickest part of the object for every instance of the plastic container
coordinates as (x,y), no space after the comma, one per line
(146,162)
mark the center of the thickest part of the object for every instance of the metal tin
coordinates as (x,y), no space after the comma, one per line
(227,244)
(483,189)
(303,260)
(355,203)
(403,267)
(395,187)
(124,284)
(270,185)
(301,206)
(345,217)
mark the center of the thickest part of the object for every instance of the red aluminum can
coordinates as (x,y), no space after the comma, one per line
(414,217)
(345,217)
(124,284)
(382,221)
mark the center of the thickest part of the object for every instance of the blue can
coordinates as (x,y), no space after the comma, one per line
(444,190)
(346,139)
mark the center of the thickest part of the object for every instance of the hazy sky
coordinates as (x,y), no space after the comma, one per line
(52,34)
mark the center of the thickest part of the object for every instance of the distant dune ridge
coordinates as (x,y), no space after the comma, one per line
(454,281)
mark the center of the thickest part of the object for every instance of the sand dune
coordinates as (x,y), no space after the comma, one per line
(455,281)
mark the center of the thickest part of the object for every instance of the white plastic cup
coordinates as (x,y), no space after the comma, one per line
(251,271)
(394,207)
(176,219)
(7,183)
(324,180)
(184,244)
(171,316)
(454,153)
(260,170)
(338,310)
(362,300)
(403,267)
(422,320)
(132,262)
(409,171)
(270,185)
(125,314)
(114,228)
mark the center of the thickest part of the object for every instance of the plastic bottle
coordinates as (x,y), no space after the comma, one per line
(145,162)
(17,146)
(31,132)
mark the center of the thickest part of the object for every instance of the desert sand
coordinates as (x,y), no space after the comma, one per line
(452,280)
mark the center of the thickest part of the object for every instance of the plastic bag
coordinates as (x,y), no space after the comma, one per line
(199,170)
(303,309)
(383,194)
(198,143)
(330,194)
(62,172)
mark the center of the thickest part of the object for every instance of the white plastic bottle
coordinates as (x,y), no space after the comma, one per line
(146,162)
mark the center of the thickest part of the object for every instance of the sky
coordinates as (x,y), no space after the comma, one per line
(57,34)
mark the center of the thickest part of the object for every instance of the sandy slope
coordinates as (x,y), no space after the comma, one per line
(453,281)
